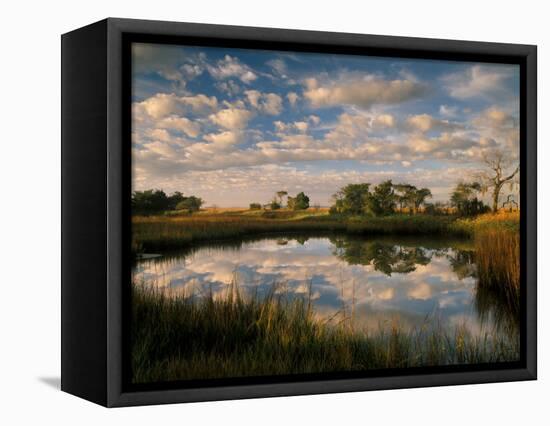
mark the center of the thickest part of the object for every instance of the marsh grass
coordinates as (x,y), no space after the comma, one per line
(497,257)
(184,337)
(152,233)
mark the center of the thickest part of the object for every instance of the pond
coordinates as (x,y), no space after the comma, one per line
(374,282)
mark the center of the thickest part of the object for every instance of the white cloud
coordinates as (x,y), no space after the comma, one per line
(383,120)
(314,119)
(182,124)
(350,128)
(225,139)
(279,66)
(200,103)
(160,105)
(231,118)
(191,71)
(425,123)
(162,148)
(448,111)
(363,93)
(268,103)
(163,104)
(292,98)
(495,118)
(228,87)
(229,67)
(302,126)
(478,80)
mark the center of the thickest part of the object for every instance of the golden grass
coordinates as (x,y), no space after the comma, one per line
(186,338)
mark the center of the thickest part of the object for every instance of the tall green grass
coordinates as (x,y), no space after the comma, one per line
(185,337)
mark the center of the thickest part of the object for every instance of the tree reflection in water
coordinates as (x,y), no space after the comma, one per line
(491,305)
(385,257)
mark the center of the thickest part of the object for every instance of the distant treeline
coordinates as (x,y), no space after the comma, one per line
(154,201)
(388,198)
(357,199)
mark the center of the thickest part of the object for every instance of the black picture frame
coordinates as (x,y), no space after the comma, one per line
(96,178)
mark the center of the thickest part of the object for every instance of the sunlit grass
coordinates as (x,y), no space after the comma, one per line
(506,221)
(169,232)
(497,257)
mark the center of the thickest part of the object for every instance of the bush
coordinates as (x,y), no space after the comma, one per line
(275,205)
(192,203)
(255,206)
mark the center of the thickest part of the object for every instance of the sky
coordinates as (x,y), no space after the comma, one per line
(234,126)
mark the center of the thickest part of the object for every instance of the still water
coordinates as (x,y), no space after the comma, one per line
(376,281)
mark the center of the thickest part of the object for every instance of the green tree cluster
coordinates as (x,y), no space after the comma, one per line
(358,199)
(300,202)
(152,201)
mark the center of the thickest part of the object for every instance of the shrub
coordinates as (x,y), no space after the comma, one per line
(255,206)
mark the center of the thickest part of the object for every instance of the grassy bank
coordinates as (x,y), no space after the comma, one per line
(152,233)
(179,338)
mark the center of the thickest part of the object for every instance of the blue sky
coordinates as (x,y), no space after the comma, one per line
(233,126)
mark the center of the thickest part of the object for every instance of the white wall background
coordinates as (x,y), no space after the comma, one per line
(30,211)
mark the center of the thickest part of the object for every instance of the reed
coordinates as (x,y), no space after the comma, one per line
(185,337)
(497,257)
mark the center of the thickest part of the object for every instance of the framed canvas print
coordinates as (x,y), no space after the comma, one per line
(255,212)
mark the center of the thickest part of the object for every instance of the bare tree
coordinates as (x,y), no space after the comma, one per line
(499,173)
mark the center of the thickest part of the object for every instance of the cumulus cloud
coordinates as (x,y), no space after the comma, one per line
(478,80)
(228,87)
(278,66)
(180,135)
(496,124)
(349,128)
(384,120)
(158,106)
(268,103)
(450,146)
(425,123)
(225,139)
(448,111)
(300,126)
(292,98)
(165,104)
(495,118)
(230,66)
(314,119)
(230,118)
(363,93)
(182,124)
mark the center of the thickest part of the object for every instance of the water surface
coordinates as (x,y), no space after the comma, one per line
(375,281)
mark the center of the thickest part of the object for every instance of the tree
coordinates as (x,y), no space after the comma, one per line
(382,200)
(192,204)
(352,198)
(149,201)
(300,202)
(419,197)
(404,194)
(174,199)
(281,194)
(500,172)
(464,199)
